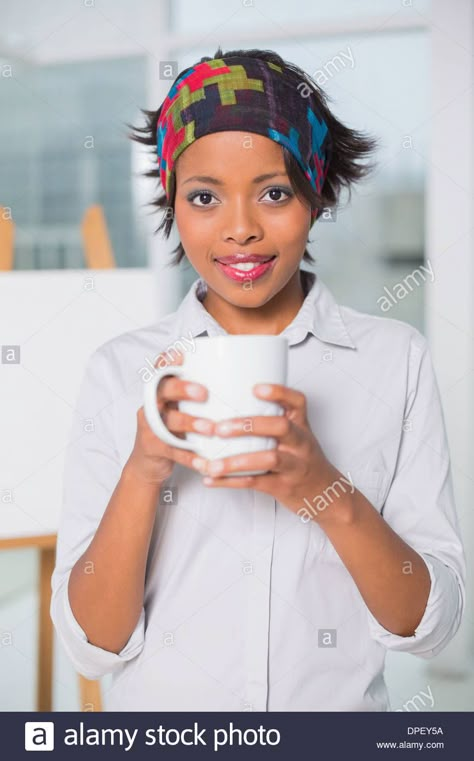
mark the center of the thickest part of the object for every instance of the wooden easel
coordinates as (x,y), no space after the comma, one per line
(46,545)
(89,690)
(96,241)
(98,254)
(7,237)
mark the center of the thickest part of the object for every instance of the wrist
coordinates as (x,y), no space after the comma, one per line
(133,476)
(341,512)
(332,501)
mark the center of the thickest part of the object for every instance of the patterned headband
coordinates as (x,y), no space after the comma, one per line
(246,94)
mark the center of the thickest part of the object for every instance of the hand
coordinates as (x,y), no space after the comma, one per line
(153,459)
(297,468)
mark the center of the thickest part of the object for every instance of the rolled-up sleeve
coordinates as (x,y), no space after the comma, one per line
(420,507)
(92,470)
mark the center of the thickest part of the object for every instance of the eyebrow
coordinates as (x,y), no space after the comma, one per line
(215,181)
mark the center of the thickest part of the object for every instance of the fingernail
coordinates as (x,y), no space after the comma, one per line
(224,427)
(203,426)
(198,463)
(216,466)
(263,389)
(194,390)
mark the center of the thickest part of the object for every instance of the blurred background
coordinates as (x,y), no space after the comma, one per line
(79,261)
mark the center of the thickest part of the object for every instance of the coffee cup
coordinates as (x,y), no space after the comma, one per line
(228,366)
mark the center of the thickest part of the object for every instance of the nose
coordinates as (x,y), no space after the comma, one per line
(241,223)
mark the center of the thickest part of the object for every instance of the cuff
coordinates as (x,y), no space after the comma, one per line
(89,660)
(440,620)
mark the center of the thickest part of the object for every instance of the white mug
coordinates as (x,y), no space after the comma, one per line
(228,366)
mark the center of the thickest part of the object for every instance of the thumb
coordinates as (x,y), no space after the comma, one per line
(169,357)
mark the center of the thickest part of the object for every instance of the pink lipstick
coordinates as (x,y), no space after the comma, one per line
(245,267)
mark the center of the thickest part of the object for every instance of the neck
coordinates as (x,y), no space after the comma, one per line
(270,319)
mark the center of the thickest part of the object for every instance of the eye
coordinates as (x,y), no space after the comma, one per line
(200,194)
(206,194)
(278,190)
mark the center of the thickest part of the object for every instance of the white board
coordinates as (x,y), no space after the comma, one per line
(57,318)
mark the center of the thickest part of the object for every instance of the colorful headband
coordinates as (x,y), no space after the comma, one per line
(249,95)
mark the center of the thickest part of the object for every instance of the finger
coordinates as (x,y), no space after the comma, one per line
(173,389)
(169,358)
(166,359)
(181,422)
(271,460)
(278,426)
(163,449)
(181,456)
(267,482)
(289,398)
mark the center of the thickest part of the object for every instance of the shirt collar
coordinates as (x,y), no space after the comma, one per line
(319,314)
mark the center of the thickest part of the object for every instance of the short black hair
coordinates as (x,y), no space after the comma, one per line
(349,148)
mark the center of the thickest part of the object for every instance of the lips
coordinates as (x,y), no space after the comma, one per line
(245,269)
(244,258)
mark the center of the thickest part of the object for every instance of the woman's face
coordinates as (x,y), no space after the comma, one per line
(231,210)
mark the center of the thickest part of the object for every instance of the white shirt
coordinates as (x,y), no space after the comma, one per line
(240,591)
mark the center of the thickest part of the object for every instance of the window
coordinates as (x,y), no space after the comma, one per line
(63,149)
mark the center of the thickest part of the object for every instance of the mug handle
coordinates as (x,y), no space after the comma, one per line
(152,414)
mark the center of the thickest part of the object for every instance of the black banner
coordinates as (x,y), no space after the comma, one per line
(312,735)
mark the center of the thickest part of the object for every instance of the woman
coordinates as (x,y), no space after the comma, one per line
(202,591)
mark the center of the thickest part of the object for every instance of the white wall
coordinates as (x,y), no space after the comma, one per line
(57,318)
(450,247)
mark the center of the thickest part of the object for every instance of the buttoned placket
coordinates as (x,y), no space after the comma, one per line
(257,615)
(259,592)
(257,622)
(258,572)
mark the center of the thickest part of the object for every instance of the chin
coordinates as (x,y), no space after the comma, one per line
(242,296)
